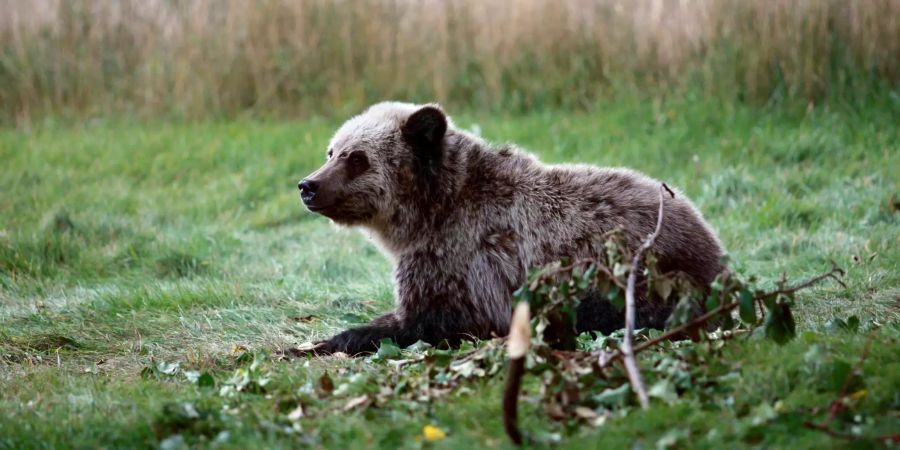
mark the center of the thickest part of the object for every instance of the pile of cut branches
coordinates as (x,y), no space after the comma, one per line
(589,382)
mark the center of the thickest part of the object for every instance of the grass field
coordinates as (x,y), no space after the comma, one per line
(126,244)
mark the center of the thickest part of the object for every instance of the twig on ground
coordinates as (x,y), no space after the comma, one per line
(634,373)
(835,273)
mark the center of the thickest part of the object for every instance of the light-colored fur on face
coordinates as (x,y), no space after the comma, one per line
(464,221)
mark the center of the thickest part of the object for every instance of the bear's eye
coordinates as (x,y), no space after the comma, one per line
(329,154)
(356,158)
(357,163)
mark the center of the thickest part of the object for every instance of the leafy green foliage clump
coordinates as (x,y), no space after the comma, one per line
(586,385)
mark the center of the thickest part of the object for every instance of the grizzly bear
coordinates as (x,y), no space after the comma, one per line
(463,221)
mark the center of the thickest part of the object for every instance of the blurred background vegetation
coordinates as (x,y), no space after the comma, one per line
(205,58)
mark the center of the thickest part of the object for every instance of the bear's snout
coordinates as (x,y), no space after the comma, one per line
(307,190)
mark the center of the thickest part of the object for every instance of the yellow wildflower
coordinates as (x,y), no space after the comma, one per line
(432,433)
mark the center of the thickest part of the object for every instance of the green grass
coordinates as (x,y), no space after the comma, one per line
(123,243)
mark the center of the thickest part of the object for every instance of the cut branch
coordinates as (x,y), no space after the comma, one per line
(634,373)
(833,274)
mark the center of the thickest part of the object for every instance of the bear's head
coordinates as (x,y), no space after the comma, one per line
(378,162)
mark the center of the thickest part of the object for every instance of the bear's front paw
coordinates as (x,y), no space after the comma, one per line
(354,341)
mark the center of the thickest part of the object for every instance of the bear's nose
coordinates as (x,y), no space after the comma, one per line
(308,186)
(307,189)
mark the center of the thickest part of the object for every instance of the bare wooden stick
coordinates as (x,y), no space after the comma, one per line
(517,347)
(634,373)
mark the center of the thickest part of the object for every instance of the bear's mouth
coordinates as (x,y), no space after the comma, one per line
(326,210)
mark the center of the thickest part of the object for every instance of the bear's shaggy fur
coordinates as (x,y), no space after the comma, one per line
(464,221)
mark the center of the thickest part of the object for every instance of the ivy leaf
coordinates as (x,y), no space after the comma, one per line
(467,369)
(587,277)
(616,298)
(780,326)
(727,322)
(439,358)
(713,301)
(419,346)
(664,390)
(747,309)
(614,397)
(206,380)
(564,290)
(387,350)
(853,324)
(663,287)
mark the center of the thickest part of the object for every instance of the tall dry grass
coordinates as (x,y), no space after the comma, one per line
(217,57)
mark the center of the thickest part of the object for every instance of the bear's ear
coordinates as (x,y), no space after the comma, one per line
(425,129)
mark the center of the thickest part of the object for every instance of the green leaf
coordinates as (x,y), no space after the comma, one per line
(589,275)
(419,346)
(664,390)
(616,298)
(780,326)
(614,397)
(387,349)
(467,369)
(853,324)
(747,308)
(439,358)
(727,322)
(838,374)
(619,270)
(466,346)
(663,287)
(564,289)
(712,302)
(206,380)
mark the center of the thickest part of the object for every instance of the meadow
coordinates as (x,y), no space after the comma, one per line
(138,255)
